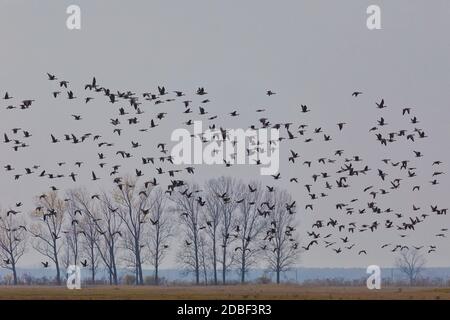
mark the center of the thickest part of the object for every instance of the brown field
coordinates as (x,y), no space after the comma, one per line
(239,292)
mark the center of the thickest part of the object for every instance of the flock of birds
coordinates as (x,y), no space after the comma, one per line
(337,171)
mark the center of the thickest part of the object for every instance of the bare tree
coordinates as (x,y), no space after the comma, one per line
(190,210)
(281,248)
(90,244)
(251,222)
(160,230)
(226,192)
(82,210)
(132,205)
(49,215)
(203,258)
(213,220)
(411,263)
(103,218)
(65,255)
(73,229)
(109,228)
(13,239)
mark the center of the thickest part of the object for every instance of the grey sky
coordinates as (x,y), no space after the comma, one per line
(309,52)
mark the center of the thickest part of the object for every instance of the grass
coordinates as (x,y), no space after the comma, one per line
(239,292)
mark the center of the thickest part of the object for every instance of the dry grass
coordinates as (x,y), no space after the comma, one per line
(239,292)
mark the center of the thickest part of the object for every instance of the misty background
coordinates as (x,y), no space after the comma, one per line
(309,52)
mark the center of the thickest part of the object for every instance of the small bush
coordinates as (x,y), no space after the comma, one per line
(150,281)
(263,280)
(128,279)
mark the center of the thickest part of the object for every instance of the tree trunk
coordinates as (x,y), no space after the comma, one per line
(92,265)
(136,274)
(75,253)
(243,268)
(114,269)
(214,242)
(278,266)
(197,264)
(215,259)
(116,280)
(224,263)
(139,269)
(14,273)
(205,271)
(58,274)
(243,261)
(141,274)
(157,256)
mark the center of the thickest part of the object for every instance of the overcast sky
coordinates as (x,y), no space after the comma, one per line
(310,52)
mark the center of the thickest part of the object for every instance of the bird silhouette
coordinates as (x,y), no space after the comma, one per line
(351,185)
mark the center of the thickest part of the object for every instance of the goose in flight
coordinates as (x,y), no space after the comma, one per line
(381,104)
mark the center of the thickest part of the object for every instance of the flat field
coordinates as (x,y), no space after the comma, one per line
(239,292)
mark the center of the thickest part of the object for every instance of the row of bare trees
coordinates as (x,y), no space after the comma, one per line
(13,236)
(235,225)
(226,225)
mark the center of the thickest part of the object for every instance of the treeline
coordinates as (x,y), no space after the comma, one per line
(386,282)
(223,225)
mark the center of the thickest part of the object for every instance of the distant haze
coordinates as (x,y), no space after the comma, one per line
(309,52)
